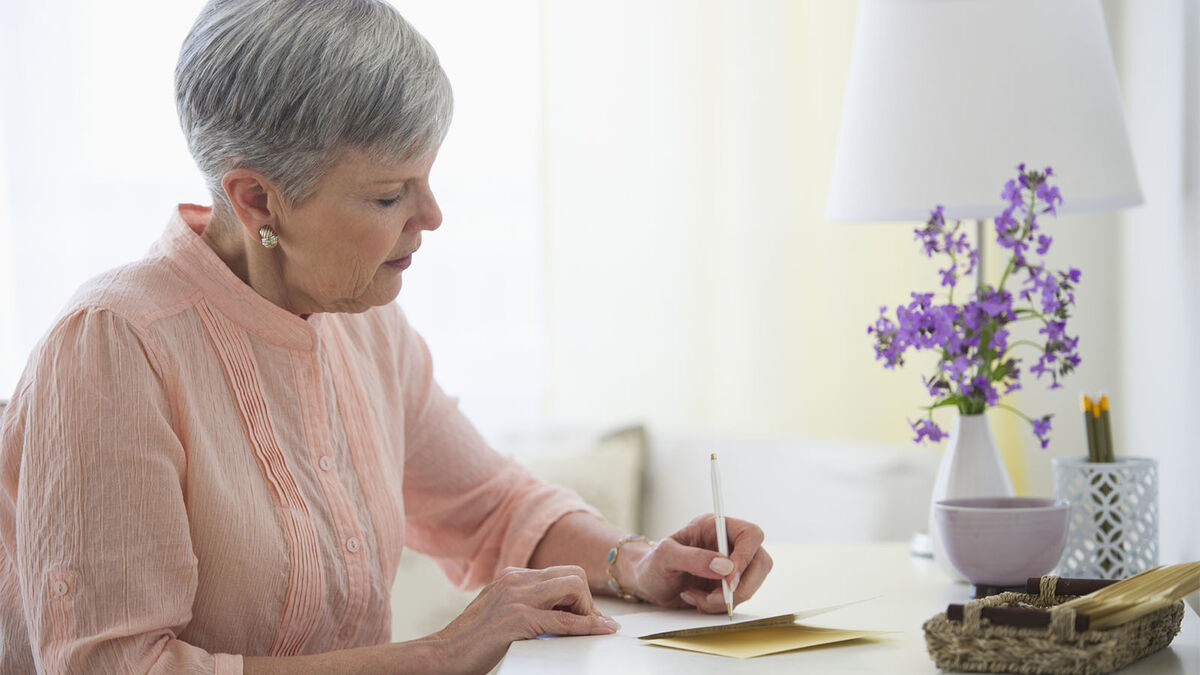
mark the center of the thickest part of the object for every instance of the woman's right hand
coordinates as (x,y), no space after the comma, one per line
(520,604)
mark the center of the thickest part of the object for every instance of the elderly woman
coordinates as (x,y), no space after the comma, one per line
(217,454)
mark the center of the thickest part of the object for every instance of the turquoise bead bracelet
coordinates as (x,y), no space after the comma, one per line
(612,562)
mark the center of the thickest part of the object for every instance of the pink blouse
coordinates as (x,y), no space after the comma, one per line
(190,473)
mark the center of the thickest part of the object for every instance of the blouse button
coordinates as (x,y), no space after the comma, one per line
(326,463)
(60,588)
(352,544)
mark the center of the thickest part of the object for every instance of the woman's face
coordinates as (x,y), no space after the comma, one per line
(345,248)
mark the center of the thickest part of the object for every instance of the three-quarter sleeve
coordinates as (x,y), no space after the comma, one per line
(472,510)
(103,552)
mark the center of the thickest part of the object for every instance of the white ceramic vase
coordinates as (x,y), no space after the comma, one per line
(971,467)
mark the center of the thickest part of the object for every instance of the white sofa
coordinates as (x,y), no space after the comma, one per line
(795,488)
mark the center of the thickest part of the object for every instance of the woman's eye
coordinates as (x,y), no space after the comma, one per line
(390,202)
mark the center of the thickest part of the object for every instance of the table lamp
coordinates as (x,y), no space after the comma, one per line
(946,97)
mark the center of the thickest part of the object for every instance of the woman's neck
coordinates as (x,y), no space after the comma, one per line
(250,262)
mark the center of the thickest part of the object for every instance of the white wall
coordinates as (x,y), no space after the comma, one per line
(92,161)
(475,290)
(693,279)
(93,158)
(633,197)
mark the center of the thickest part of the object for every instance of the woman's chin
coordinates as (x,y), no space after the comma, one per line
(384,293)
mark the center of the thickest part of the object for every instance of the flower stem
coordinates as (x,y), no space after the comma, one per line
(1016,412)
(1024,233)
(1030,314)
(1001,355)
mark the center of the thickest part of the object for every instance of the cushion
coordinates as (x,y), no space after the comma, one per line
(603,465)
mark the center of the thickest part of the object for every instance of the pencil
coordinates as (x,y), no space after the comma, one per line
(1091,430)
(1106,424)
(722,537)
(1098,429)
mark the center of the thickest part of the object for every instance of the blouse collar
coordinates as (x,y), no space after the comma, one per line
(181,244)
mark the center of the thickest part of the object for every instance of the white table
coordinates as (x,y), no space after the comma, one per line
(807,576)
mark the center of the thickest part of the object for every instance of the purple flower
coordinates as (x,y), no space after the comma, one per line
(928,244)
(961,246)
(996,303)
(971,338)
(1046,284)
(1053,330)
(1039,368)
(1041,429)
(936,387)
(1012,194)
(1050,196)
(999,341)
(981,387)
(927,430)
(972,261)
(957,368)
(1007,228)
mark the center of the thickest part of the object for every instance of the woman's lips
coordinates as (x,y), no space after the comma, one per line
(400,264)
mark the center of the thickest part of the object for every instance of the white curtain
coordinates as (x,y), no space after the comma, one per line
(1159,304)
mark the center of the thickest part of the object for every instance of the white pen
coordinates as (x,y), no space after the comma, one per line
(722,538)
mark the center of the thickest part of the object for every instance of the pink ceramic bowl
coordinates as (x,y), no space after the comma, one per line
(1002,541)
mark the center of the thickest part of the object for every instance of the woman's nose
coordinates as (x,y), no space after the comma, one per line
(428,216)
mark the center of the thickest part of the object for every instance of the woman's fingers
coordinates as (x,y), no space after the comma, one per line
(709,602)
(561,587)
(521,604)
(559,602)
(691,550)
(695,561)
(554,622)
(746,539)
(749,581)
(567,592)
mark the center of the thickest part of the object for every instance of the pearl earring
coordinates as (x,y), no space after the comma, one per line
(269,238)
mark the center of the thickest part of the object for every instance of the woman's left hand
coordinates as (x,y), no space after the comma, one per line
(685,569)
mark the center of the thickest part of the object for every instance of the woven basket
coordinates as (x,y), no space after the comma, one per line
(976,645)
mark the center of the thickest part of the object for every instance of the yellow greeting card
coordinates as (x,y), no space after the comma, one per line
(754,637)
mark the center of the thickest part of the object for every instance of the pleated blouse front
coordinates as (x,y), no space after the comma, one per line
(190,474)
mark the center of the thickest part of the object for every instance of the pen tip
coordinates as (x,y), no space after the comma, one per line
(729,608)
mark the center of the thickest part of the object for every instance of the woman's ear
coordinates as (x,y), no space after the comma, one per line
(253,197)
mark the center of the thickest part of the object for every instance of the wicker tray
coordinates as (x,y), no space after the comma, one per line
(976,645)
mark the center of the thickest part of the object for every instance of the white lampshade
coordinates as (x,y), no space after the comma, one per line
(946,97)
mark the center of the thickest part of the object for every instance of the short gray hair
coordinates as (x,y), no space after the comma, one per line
(283,86)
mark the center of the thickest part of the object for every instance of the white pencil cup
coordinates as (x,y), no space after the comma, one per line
(1113,531)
